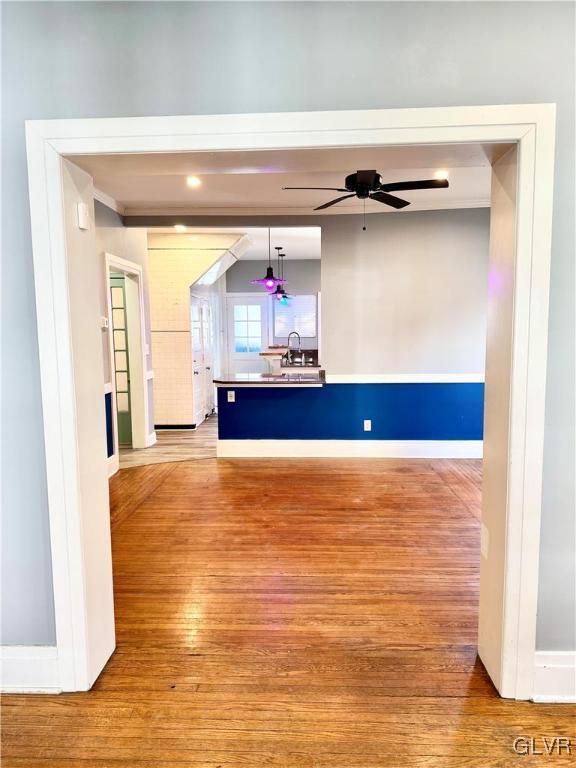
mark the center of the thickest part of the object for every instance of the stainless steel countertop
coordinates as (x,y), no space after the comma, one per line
(288,378)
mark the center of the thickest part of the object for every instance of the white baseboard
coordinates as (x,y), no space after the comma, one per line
(405,449)
(29,669)
(151,440)
(555,677)
(113,464)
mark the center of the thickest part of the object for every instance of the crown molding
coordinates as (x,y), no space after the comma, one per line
(242,211)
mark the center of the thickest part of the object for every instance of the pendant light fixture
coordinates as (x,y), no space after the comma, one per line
(269,281)
(280,294)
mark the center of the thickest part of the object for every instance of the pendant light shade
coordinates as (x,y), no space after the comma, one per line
(280,294)
(269,281)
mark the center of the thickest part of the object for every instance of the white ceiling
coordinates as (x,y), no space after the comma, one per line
(236,183)
(297,242)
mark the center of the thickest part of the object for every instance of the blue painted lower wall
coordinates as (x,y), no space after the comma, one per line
(109,424)
(337,411)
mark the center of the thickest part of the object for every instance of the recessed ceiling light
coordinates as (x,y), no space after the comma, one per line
(193,181)
(180,227)
(441,174)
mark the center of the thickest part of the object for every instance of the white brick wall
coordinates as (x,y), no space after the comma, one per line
(171,274)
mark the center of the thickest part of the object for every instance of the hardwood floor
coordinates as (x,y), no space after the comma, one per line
(175,445)
(290,614)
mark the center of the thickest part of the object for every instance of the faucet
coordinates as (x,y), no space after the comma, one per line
(293,333)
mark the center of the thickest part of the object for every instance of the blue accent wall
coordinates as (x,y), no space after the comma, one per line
(337,411)
(109,424)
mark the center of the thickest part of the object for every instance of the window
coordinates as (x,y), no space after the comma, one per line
(299,315)
(247,328)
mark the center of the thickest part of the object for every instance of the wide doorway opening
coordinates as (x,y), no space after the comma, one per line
(353,378)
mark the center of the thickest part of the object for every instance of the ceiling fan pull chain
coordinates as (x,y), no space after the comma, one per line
(364,220)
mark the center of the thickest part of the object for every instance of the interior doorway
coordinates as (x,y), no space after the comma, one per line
(129,425)
(202,358)
(516,362)
(121,352)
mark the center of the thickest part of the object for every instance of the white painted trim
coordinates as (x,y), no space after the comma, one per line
(404,378)
(451,205)
(151,440)
(108,387)
(530,126)
(108,201)
(113,464)
(555,677)
(342,449)
(149,375)
(29,669)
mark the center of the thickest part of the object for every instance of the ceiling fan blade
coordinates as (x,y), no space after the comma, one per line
(327,189)
(403,186)
(333,202)
(391,200)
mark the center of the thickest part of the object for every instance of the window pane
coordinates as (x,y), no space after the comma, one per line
(121,382)
(120,361)
(254,312)
(119,340)
(118,318)
(117,295)
(122,402)
(240,312)
(254,345)
(298,315)
(240,329)
(241,345)
(254,329)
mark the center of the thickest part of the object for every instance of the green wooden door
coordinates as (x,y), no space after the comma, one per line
(120,342)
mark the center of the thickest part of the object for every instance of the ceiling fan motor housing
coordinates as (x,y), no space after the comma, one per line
(363,182)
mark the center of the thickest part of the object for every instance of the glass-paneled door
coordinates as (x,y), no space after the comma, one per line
(122,368)
(248,332)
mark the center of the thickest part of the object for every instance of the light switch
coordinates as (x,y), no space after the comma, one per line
(367,425)
(231,396)
(83,216)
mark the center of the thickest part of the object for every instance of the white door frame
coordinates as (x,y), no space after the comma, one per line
(531,126)
(142,434)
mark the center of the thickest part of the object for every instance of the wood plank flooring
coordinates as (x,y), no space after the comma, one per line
(290,614)
(175,445)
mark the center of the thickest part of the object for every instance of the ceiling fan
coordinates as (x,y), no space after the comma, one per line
(368,185)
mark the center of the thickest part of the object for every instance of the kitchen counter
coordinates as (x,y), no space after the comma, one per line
(290,377)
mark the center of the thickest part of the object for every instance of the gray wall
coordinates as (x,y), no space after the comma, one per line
(110,59)
(409,295)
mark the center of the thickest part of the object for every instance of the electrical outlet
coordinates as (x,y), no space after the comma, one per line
(367,425)
(231,396)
